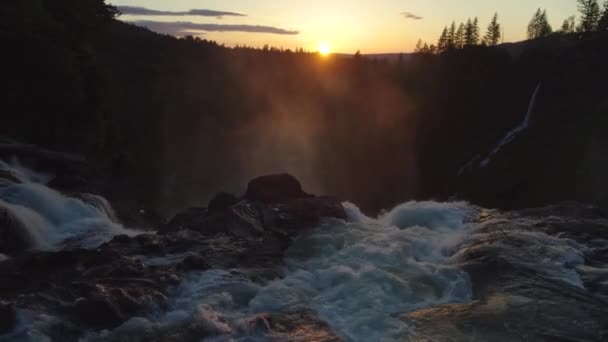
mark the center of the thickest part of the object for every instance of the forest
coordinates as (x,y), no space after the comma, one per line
(171,121)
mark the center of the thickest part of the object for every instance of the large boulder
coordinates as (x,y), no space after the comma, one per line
(274,203)
(293,215)
(274,188)
(241,220)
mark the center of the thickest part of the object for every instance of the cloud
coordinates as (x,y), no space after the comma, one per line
(182,28)
(142,11)
(410,15)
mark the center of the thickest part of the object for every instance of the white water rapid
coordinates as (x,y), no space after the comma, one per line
(49,220)
(359,275)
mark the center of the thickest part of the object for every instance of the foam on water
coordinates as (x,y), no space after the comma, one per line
(23,173)
(358,275)
(51,218)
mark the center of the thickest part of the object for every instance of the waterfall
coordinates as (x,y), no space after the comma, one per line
(39,217)
(509,137)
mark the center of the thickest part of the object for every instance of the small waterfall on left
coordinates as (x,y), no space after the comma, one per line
(34,216)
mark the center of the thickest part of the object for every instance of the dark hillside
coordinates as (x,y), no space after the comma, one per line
(168,121)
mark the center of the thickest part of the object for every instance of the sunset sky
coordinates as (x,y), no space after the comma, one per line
(372,26)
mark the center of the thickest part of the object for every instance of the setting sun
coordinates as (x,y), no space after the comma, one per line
(324,48)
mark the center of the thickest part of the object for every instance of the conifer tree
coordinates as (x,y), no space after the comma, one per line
(476,34)
(602,25)
(539,25)
(492,37)
(419,46)
(452,36)
(460,36)
(468,33)
(442,44)
(590,15)
(544,27)
(569,25)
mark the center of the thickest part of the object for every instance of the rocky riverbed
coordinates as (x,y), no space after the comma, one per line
(279,264)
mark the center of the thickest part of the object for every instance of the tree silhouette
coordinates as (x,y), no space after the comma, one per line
(452,36)
(442,44)
(493,34)
(569,25)
(459,39)
(476,34)
(471,32)
(419,46)
(590,15)
(602,24)
(539,25)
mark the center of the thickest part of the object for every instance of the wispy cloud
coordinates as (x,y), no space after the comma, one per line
(182,28)
(410,15)
(142,11)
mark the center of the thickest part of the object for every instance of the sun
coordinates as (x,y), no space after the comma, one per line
(324,49)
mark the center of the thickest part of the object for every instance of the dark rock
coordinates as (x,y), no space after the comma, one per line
(14,235)
(300,324)
(8,178)
(274,188)
(241,220)
(221,202)
(193,262)
(8,317)
(293,215)
(192,218)
(98,313)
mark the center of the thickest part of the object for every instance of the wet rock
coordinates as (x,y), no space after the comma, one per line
(274,188)
(98,313)
(293,215)
(299,324)
(192,218)
(8,317)
(193,262)
(261,211)
(221,202)
(566,209)
(537,275)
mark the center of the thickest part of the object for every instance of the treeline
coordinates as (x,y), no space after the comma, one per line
(592,19)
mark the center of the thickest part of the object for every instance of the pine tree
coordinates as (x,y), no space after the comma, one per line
(569,25)
(452,36)
(476,34)
(602,25)
(459,41)
(590,15)
(442,44)
(544,27)
(539,25)
(533,25)
(468,33)
(492,37)
(419,46)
